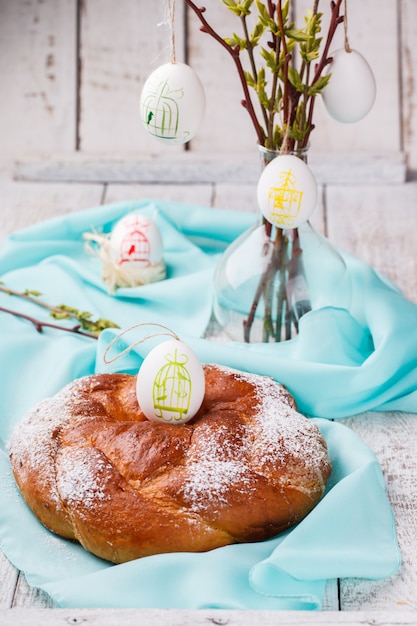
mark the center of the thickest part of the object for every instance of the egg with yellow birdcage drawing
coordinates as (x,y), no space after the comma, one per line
(170,383)
(287,191)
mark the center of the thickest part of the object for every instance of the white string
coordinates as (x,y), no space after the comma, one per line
(170,333)
(345,25)
(171,14)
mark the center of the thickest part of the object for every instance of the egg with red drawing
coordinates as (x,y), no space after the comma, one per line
(172,103)
(351,91)
(135,240)
(170,383)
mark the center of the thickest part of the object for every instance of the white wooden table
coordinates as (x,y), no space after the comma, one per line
(377,223)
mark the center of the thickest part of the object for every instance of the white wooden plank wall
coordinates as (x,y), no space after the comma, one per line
(38,88)
(119,45)
(47,105)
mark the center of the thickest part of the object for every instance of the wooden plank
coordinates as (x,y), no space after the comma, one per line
(375,223)
(119,49)
(380,129)
(164,617)
(8,578)
(30,597)
(38,62)
(189,167)
(408,29)
(37,76)
(227,126)
(392,436)
(190,194)
(23,204)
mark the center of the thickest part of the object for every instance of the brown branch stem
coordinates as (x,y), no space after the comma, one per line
(235,54)
(36,300)
(335,20)
(39,324)
(253,64)
(287,58)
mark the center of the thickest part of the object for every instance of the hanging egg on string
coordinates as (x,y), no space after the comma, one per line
(287,191)
(350,93)
(172,103)
(135,239)
(170,383)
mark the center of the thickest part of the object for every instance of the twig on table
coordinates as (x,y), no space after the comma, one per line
(63,311)
(39,324)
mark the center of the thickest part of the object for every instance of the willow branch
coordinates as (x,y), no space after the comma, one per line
(287,58)
(36,300)
(275,45)
(335,20)
(252,63)
(39,324)
(235,54)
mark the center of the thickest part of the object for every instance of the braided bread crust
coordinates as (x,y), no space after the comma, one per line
(94,469)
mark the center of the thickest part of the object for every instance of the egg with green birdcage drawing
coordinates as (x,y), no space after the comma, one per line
(170,383)
(172,103)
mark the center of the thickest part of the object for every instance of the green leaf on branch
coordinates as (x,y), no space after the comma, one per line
(295,79)
(269,58)
(32,292)
(241,9)
(265,19)
(297,35)
(236,41)
(61,312)
(257,33)
(64,311)
(319,85)
(310,49)
(250,81)
(95,327)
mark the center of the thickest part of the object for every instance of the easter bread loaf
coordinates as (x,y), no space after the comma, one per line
(95,470)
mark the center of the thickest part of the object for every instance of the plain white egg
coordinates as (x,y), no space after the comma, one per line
(287,191)
(172,103)
(135,239)
(170,383)
(351,90)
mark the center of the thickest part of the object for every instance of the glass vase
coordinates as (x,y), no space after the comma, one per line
(269,277)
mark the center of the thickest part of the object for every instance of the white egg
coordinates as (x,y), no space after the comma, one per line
(351,90)
(170,383)
(172,103)
(135,239)
(287,191)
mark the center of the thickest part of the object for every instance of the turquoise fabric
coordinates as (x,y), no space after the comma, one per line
(342,363)
(350,533)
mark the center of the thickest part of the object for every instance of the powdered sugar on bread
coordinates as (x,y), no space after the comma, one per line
(93,468)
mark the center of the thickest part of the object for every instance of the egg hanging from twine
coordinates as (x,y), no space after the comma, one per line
(287,191)
(170,384)
(351,91)
(131,254)
(172,103)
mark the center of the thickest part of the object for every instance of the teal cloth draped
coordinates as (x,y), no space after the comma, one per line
(341,363)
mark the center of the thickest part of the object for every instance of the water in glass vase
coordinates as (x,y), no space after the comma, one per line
(270,277)
(263,285)
(260,288)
